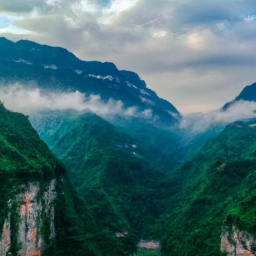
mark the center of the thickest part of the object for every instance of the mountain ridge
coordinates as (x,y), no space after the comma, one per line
(247,94)
(56,69)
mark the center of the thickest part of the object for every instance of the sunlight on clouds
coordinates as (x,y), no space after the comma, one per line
(14,30)
(158,34)
(118,6)
(53,2)
(157,39)
(195,41)
(105,13)
(8,24)
(84,6)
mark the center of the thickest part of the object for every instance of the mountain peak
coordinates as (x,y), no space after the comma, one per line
(247,94)
(56,69)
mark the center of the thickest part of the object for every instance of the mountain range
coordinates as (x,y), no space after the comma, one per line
(135,168)
(56,69)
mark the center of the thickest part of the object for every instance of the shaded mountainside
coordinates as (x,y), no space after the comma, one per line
(130,178)
(56,69)
(40,212)
(116,173)
(247,94)
(207,189)
(25,160)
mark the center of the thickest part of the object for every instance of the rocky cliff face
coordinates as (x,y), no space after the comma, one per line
(36,220)
(235,242)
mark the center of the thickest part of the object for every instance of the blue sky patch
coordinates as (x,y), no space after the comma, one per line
(4,22)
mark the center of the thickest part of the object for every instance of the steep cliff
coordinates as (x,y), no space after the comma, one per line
(235,242)
(28,174)
(40,212)
(35,207)
(238,236)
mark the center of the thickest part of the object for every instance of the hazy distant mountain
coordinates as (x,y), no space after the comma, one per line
(139,178)
(56,69)
(247,94)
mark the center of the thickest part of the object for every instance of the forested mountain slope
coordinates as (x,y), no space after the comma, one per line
(134,174)
(207,188)
(114,172)
(40,212)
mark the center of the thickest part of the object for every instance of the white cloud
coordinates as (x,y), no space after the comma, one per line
(195,41)
(158,34)
(116,8)
(199,122)
(250,18)
(177,47)
(31,101)
(53,2)
(104,13)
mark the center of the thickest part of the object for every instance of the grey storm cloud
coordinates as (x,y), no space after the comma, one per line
(177,47)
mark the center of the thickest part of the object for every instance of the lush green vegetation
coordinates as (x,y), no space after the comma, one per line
(158,144)
(207,188)
(111,171)
(148,253)
(123,169)
(128,187)
(25,158)
(244,215)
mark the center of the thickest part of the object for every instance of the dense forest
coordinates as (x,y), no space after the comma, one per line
(120,178)
(213,186)
(26,159)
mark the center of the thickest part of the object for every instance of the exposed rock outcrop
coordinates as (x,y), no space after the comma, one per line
(235,242)
(36,219)
(148,245)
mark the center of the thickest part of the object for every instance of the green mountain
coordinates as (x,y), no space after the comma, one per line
(128,177)
(40,211)
(115,172)
(215,183)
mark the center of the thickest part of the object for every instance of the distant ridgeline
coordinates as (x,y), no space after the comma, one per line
(134,181)
(56,69)
(247,94)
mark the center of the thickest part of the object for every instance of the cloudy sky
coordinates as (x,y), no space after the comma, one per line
(198,54)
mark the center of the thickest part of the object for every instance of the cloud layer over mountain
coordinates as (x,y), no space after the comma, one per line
(30,101)
(200,122)
(196,54)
